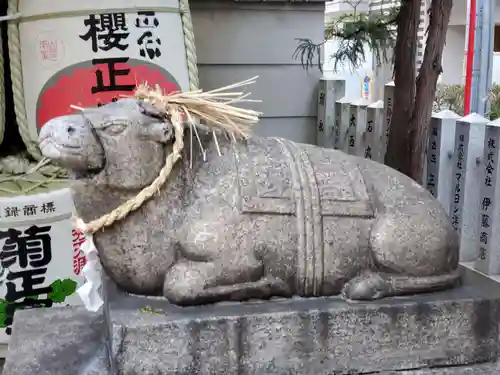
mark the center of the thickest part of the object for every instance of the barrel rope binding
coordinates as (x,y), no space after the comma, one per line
(2,93)
(16,72)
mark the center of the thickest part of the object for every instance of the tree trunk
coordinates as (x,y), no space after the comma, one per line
(398,148)
(439,17)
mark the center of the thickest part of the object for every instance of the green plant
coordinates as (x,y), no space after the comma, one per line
(452,97)
(60,290)
(495,102)
(449,97)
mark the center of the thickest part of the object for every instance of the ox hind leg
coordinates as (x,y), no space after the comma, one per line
(411,254)
(190,282)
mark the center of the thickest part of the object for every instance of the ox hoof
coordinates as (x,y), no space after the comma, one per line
(366,287)
(184,283)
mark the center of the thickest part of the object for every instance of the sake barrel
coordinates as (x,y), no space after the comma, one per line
(2,92)
(88,53)
(40,252)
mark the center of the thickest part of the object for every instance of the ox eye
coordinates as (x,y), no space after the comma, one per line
(114,129)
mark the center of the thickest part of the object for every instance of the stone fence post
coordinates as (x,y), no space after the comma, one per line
(388,109)
(330,90)
(440,146)
(488,249)
(342,113)
(372,137)
(467,174)
(357,126)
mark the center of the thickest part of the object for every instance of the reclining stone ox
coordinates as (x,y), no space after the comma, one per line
(257,218)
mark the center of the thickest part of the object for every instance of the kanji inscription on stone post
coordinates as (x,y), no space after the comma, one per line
(466,184)
(342,117)
(487,261)
(460,164)
(329,91)
(433,156)
(388,108)
(373,133)
(350,136)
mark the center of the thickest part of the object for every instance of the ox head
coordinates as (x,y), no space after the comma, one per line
(121,144)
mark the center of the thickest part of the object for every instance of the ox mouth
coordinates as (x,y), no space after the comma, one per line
(57,152)
(49,143)
(62,154)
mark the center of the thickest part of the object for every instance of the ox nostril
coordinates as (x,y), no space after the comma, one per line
(71,129)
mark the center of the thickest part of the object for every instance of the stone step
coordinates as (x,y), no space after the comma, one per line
(307,336)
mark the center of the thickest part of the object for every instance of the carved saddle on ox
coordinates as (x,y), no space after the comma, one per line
(323,190)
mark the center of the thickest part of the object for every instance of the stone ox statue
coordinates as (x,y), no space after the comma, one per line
(268,217)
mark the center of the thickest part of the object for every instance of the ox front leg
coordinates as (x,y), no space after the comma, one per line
(192,283)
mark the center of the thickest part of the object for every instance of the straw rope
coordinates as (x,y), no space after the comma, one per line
(214,108)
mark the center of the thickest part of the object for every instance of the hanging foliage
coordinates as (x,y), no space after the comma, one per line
(354,32)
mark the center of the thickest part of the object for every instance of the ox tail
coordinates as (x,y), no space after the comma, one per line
(418,284)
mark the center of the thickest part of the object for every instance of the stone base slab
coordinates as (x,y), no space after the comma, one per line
(307,336)
(57,341)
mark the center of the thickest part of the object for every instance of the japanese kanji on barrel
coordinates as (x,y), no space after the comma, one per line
(41,260)
(90,53)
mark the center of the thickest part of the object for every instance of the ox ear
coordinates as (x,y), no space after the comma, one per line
(159,128)
(150,110)
(160,131)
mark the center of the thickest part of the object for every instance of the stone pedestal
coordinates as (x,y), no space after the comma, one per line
(313,336)
(57,341)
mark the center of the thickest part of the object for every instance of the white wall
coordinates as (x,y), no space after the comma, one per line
(459,12)
(453,57)
(496,68)
(333,9)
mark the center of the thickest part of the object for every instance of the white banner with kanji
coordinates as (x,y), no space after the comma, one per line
(41,260)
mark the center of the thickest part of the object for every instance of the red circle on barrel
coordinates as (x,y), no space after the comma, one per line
(88,84)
